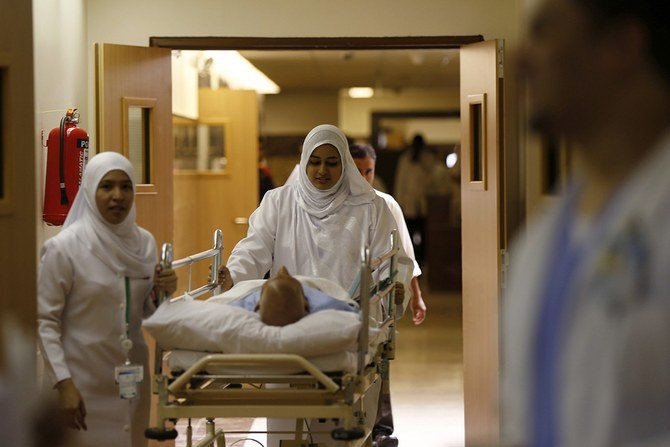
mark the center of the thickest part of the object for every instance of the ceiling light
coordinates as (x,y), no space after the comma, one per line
(239,73)
(361,92)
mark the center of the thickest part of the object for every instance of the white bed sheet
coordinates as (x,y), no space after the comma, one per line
(215,326)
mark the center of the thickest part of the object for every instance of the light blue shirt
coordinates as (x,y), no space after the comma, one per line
(317,301)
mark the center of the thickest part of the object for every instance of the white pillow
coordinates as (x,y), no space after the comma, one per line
(215,327)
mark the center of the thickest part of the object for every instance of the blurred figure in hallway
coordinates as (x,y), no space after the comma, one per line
(446,181)
(412,176)
(265,182)
(586,329)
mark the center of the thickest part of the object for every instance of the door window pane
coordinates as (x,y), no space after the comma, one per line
(477,141)
(2,133)
(139,142)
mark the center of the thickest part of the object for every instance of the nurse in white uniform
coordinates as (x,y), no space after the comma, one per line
(316,225)
(95,285)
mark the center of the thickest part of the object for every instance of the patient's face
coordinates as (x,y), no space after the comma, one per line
(324,167)
(282,300)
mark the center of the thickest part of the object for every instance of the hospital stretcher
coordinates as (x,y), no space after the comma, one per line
(284,386)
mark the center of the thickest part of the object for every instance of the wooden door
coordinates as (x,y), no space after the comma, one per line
(483,235)
(134,117)
(223,197)
(18,246)
(239,108)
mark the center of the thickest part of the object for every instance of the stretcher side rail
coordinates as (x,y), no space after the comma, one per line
(249,360)
(215,254)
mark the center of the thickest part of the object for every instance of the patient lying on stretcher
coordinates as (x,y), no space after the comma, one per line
(283,300)
(284,314)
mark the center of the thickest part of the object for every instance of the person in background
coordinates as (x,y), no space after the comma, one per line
(365,159)
(265,182)
(586,323)
(96,281)
(410,189)
(446,181)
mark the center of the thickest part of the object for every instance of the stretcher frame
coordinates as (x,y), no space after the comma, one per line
(309,395)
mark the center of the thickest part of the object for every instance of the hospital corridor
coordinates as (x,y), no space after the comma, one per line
(426,382)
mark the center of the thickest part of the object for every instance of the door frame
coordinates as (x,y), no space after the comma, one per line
(313,43)
(511,165)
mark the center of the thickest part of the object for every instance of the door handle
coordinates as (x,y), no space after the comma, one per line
(241,221)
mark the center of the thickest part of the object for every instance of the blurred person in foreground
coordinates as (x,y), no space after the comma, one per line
(586,341)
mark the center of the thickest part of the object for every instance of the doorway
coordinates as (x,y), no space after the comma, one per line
(295,44)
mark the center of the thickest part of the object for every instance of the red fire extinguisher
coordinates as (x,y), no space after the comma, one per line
(67,155)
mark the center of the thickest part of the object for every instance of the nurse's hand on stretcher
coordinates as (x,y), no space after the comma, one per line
(223,278)
(72,404)
(165,280)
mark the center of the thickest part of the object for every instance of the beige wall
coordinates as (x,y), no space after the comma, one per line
(295,113)
(355,113)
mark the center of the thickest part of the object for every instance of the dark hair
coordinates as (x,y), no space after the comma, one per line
(653,14)
(362,150)
(418,145)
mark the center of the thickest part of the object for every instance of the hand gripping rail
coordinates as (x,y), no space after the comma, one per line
(216,253)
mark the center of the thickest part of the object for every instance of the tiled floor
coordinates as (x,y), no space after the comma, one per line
(427,376)
(426,381)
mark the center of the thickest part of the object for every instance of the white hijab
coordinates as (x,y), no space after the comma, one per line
(351,186)
(125,248)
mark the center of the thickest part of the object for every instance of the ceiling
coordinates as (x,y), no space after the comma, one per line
(336,69)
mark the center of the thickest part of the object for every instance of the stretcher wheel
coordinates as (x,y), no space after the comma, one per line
(160,434)
(342,434)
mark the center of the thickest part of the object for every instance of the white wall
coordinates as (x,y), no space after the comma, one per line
(184,85)
(61,62)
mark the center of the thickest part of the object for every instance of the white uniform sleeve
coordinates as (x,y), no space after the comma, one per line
(405,238)
(55,280)
(149,307)
(252,256)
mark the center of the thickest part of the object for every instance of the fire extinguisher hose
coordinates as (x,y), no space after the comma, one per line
(61,162)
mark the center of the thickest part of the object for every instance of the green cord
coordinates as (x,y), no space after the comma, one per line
(127,302)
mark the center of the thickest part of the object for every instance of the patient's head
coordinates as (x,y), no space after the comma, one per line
(282,300)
